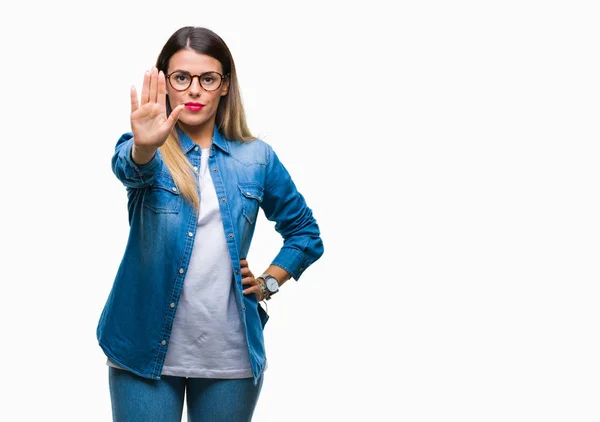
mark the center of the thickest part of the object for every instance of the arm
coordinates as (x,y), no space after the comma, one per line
(136,164)
(251,283)
(141,156)
(130,173)
(283,204)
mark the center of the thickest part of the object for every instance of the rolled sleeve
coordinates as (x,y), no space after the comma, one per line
(127,171)
(294,220)
(293,261)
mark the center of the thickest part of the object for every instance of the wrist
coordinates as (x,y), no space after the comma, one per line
(263,287)
(142,155)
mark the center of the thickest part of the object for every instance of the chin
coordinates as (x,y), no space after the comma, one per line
(193,120)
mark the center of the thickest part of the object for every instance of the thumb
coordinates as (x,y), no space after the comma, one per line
(174,116)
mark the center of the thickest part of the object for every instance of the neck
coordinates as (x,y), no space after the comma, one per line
(200,134)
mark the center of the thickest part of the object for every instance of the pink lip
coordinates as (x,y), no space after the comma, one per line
(194,106)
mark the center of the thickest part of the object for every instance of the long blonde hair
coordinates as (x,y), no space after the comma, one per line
(230,118)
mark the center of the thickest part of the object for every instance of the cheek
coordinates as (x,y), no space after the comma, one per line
(173,100)
(216,97)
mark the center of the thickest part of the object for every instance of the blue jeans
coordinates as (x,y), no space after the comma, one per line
(137,399)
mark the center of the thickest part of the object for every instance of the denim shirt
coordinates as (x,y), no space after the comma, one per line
(135,324)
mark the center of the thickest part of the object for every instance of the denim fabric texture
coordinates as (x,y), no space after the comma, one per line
(134,398)
(135,323)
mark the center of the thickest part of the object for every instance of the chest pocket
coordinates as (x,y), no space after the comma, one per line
(163,196)
(252,196)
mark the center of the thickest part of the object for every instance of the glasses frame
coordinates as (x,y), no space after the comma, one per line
(223,77)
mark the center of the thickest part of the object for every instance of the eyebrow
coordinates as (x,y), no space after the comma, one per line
(187,71)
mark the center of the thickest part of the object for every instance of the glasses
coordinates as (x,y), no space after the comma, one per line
(209,81)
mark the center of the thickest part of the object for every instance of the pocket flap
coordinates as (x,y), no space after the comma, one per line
(252,191)
(165,182)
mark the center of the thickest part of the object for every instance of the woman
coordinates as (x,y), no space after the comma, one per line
(183,315)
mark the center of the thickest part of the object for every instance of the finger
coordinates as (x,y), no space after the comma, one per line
(146,88)
(174,116)
(250,289)
(134,99)
(153,85)
(255,290)
(243,262)
(249,280)
(246,272)
(162,89)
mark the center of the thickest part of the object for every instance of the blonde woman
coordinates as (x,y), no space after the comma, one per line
(183,319)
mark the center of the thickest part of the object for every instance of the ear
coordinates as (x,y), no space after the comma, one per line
(225,89)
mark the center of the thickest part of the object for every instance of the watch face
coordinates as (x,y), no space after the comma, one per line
(272,284)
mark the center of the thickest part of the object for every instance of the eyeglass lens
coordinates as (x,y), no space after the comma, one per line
(182,80)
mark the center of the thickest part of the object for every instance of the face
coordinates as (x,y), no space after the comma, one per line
(195,63)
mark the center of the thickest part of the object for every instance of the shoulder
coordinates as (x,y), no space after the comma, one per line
(125,137)
(257,151)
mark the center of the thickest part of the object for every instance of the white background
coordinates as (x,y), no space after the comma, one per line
(449,151)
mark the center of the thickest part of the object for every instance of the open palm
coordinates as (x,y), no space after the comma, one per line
(149,122)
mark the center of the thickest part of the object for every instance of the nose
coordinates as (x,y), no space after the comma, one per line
(195,88)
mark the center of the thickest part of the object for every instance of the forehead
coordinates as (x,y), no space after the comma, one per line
(193,62)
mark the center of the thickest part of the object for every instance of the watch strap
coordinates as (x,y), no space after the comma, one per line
(263,287)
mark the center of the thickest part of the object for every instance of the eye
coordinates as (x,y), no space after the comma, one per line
(180,78)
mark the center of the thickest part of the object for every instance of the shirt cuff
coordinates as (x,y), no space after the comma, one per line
(143,171)
(292,260)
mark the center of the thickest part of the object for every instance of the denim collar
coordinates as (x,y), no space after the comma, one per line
(218,139)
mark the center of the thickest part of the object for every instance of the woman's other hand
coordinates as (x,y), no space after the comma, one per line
(249,281)
(149,122)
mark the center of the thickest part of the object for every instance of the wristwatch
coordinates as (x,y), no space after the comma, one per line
(270,287)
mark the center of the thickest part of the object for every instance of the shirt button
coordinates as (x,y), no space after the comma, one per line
(172,304)
(190,234)
(248,193)
(214,169)
(163,342)
(230,235)
(223,200)
(243,308)
(174,189)
(196,169)
(195,148)
(181,271)
(237,271)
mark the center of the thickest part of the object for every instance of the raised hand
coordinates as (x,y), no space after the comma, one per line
(149,122)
